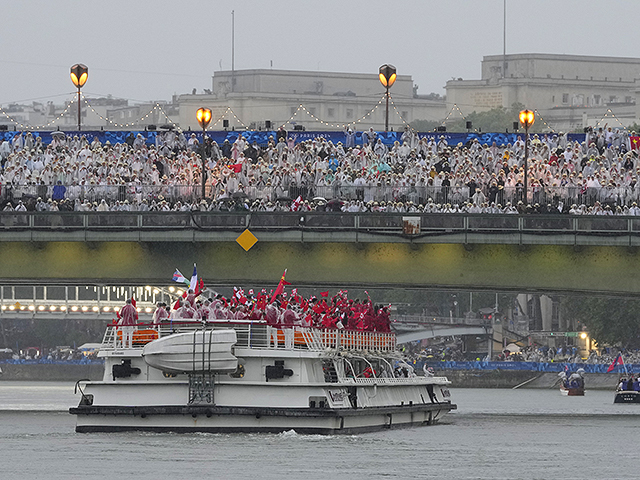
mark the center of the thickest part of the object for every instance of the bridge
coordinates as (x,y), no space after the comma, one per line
(558,253)
(410,328)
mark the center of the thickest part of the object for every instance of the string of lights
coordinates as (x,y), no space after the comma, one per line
(335,125)
(161,109)
(606,114)
(221,117)
(397,112)
(38,127)
(236,117)
(539,117)
(130,124)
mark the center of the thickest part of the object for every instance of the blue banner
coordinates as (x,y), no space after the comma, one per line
(262,138)
(45,361)
(530,366)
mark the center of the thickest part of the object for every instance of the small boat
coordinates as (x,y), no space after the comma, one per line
(627,391)
(572,385)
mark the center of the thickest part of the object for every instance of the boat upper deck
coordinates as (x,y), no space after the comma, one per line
(258,335)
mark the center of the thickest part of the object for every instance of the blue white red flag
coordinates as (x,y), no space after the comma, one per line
(193,284)
(618,361)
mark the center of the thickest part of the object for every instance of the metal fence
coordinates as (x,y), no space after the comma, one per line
(568,195)
(320,222)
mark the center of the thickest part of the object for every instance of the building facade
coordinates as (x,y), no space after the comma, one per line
(569,91)
(267,99)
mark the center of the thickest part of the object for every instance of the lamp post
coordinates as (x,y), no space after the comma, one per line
(387,76)
(527,117)
(204,117)
(79,75)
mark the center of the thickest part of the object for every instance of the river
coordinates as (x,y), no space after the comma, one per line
(494,434)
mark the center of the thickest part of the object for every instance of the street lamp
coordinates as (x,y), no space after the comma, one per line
(527,117)
(204,117)
(387,76)
(79,75)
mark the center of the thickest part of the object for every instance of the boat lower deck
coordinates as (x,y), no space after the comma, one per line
(227,419)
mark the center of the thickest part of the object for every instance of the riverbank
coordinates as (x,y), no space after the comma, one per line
(51,372)
(522,379)
(459,378)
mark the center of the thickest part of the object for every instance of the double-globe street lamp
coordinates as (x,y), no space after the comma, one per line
(527,117)
(204,117)
(79,75)
(387,76)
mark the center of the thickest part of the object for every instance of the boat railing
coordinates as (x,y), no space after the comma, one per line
(395,380)
(257,334)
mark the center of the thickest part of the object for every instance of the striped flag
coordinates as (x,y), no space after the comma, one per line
(193,284)
(178,277)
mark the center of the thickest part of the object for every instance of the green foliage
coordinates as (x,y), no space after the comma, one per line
(634,127)
(495,120)
(610,321)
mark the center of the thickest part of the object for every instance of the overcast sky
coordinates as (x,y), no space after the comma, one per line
(151,49)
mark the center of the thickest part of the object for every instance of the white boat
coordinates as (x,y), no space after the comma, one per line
(240,377)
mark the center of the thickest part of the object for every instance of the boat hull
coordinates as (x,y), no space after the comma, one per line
(227,419)
(572,392)
(627,396)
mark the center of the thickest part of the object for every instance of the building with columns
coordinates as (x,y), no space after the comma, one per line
(267,99)
(569,91)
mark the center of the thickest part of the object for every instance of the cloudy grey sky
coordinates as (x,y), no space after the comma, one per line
(151,49)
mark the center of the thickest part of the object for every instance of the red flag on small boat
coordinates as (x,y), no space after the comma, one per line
(617,361)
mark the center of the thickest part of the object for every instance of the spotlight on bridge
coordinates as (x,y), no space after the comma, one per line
(527,117)
(387,76)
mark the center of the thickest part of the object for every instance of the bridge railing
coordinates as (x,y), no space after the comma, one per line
(393,223)
(380,192)
(407,321)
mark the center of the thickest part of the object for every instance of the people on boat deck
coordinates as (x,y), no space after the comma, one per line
(160,314)
(128,318)
(288,311)
(629,384)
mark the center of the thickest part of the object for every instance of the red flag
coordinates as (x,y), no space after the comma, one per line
(635,143)
(199,287)
(296,204)
(280,287)
(133,301)
(617,361)
(324,294)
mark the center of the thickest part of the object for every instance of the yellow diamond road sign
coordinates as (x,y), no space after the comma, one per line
(246,240)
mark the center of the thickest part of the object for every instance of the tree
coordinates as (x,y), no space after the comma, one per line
(609,320)
(498,119)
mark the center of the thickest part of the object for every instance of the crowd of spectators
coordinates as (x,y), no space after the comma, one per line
(48,355)
(568,354)
(416,174)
